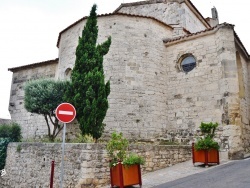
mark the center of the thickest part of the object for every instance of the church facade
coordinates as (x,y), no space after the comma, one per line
(169,69)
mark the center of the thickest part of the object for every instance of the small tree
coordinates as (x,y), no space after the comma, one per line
(88,91)
(42,97)
(8,133)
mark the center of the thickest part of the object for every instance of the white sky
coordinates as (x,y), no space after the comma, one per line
(29,29)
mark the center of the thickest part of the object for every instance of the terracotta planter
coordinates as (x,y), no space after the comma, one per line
(205,156)
(122,176)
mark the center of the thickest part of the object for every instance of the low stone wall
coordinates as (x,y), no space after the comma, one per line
(85,165)
(5,121)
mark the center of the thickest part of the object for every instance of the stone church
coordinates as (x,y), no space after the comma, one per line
(169,67)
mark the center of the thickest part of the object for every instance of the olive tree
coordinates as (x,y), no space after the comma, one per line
(42,97)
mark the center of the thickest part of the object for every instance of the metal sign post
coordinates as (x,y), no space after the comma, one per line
(65,113)
(62,164)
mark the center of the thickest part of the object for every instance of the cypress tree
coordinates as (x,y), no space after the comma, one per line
(88,91)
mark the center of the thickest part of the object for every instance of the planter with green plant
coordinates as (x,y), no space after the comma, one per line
(124,168)
(206,150)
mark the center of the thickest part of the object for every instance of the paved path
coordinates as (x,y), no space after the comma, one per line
(232,175)
(174,172)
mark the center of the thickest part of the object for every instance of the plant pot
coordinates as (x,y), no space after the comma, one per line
(121,175)
(205,156)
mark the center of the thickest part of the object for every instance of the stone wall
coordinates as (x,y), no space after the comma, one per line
(244,99)
(136,68)
(194,96)
(169,11)
(229,88)
(210,92)
(85,165)
(5,121)
(151,97)
(32,125)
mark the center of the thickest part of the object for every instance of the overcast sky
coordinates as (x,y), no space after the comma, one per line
(29,29)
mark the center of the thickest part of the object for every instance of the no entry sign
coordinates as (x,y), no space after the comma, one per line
(65,112)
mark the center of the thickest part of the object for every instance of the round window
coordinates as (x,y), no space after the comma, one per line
(188,63)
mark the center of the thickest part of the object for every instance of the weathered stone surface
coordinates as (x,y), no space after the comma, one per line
(85,165)
(4,121)
(171,12)
(151,97)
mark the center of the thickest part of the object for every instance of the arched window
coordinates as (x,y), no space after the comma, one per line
(187,62)
(68,73)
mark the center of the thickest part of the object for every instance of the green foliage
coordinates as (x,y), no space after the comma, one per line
(3,150)
(132,159)
(83,139)
(117,150)
(207,142)
(167,142)
(208,128)
(42,97)
(8,133)
(88,91)
(19,148)
(11,131)
(117,147)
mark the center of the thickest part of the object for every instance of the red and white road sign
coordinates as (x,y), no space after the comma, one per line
(65,112)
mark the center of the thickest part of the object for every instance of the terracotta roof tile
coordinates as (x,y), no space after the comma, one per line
(169,40)
(197,33)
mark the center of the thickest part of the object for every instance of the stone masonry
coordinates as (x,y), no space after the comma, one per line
(172,12)
(85,165)
(151,96)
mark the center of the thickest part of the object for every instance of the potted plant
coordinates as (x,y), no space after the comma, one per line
(206,150)
(124,168)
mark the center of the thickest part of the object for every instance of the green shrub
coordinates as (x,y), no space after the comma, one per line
(132,159)
(3,151)
(12,131)
(208,128)
(83,139)
(117,150)
(207,142)
(19,148)
(117,147)
(8,133)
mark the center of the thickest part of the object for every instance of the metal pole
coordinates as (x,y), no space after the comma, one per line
(62,164)
(52,174)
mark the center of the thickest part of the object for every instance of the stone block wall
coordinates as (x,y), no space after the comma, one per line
(172,12)
(194,96)
(150,96)
(5,121)
(210,92)
(85,165)
(32,125)
(135,65)
(243,117)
